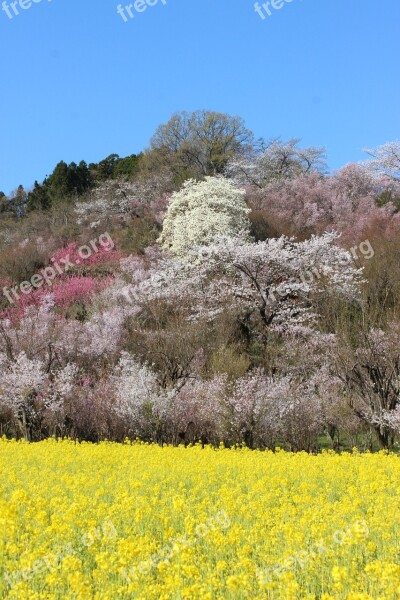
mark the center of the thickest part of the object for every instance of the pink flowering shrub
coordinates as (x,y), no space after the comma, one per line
(77,289)
(62,294)
(100,255)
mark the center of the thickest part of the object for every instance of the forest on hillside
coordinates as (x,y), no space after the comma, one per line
(215,287)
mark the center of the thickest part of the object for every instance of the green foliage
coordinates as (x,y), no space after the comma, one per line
(228,359)
(5,205)
(114,167)
(65,183)
(68,180)
(105,168)
(126,167)
(197,144)
(38,198)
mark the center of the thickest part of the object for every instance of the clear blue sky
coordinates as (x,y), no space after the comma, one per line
(80,83)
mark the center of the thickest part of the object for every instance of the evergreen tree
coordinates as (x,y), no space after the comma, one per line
(38,198)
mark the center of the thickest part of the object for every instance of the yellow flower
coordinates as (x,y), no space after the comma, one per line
(98,522)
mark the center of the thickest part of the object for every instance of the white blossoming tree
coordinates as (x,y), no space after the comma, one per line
(385,160)
(139,400)
(59,389)
(203,211)
(371,375)
(29,392)
(274,281)
(21,381)
(276,161)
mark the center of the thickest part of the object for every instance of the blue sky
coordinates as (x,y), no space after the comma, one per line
(80,83)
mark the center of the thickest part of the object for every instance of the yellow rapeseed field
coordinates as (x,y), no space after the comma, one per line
(113,521)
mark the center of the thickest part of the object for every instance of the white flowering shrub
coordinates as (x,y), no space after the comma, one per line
(139,400)
(203,211)
(31,394)
(121,198)
(20,382)
(55,399)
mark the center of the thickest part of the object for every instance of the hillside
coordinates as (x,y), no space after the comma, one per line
(215,288)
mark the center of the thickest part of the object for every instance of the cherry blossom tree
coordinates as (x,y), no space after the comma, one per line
(301,205)
(118,198)
(139,400)
(59,389)
(30,391)
(385,160)
(21,381)
(274,281)
(347,201)
(198,412)
(371,374)
(256,410)
(353,182)
(276,161)
(43,332)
